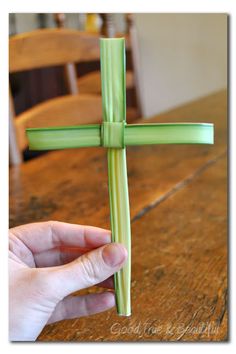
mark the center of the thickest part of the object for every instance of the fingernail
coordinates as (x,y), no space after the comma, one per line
(114,254)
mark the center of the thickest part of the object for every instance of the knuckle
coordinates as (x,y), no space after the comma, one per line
(50,224)
(90,269)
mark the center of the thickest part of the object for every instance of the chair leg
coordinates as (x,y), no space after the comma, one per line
(14,151)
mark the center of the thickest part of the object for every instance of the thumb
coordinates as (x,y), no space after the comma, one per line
(89,269)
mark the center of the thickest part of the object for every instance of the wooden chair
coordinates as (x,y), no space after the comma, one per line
(44,48)
(91,82)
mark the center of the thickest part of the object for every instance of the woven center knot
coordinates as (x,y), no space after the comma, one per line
(112,134)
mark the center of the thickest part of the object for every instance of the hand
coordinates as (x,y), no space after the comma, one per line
(50,260)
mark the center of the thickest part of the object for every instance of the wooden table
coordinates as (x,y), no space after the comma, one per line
(178,197)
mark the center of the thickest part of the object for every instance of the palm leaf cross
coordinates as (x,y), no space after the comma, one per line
(114,134)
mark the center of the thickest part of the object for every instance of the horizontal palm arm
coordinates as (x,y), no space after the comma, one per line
(134,134)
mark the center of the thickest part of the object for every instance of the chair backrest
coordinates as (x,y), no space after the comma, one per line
(51,47)
(44,48)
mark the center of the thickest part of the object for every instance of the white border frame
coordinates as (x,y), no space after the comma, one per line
(180,6)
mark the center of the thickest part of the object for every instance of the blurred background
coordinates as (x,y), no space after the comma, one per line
(171,59)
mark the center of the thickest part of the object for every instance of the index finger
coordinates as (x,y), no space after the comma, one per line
(42,236)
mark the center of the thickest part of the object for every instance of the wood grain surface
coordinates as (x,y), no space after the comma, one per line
(178,197)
